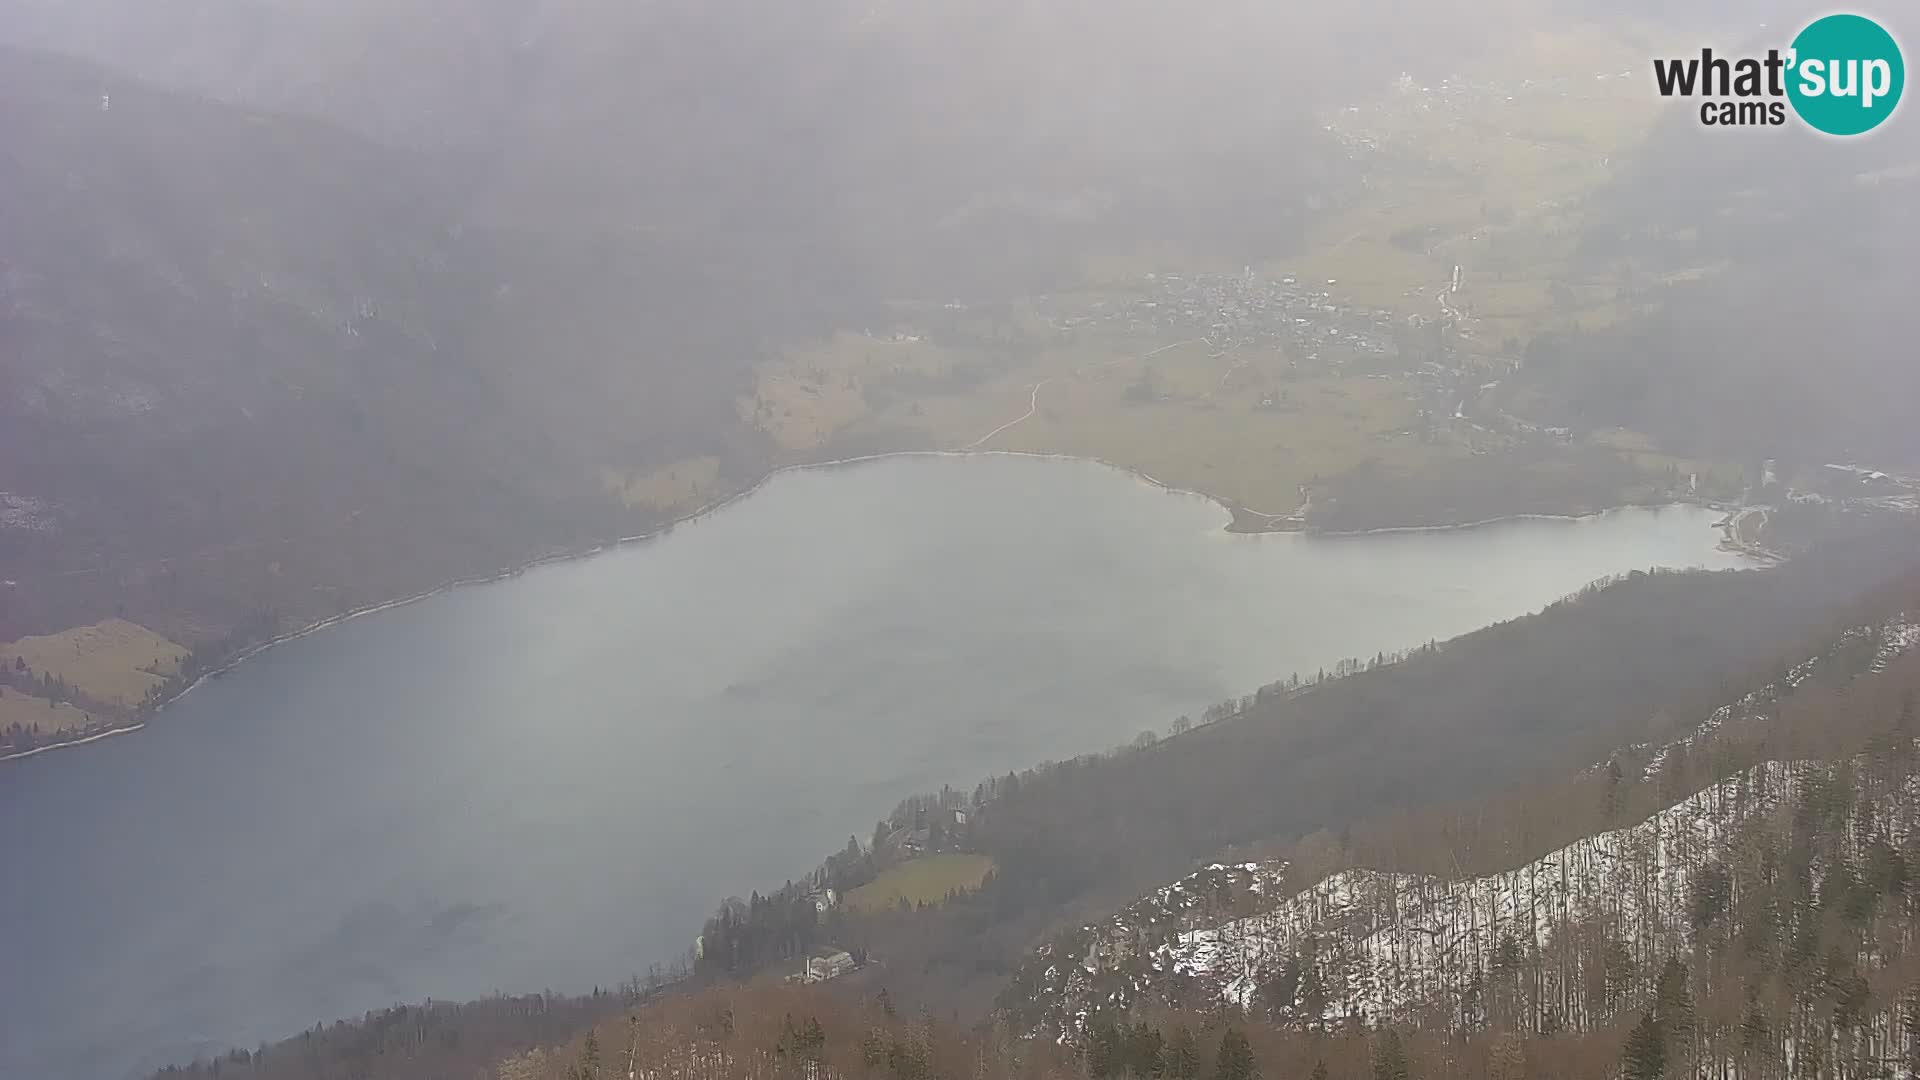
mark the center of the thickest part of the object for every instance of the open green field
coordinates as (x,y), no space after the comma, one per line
(28,711)
(927,880)
(1245,426)
(115,662)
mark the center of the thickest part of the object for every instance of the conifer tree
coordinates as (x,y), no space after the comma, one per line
(1181,1058)
(1236,1058)
(1673,1005)
(1389,1056)
(1645,1055)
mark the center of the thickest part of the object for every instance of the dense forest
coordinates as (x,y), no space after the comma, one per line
(435,1040)
(1523,699)
(254,364)
(1566,480)
(1769,852)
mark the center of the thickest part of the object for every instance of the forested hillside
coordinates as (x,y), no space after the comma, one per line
(1634,662)
(1805,784)
(255,364)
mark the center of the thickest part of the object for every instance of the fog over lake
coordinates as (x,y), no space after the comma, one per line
(550,780)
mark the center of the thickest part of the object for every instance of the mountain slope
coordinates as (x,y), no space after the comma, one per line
(1779,888)
(255,364)
(1534,697)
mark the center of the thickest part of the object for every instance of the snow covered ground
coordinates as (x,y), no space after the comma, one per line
(1389,944)
(1404,940)
(1386,945)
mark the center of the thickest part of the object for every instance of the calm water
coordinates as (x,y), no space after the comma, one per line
(549,781)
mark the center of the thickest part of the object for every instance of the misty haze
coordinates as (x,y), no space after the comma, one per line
(911,540)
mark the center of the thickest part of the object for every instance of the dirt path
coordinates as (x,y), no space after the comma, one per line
(1033,406)
(1033,403)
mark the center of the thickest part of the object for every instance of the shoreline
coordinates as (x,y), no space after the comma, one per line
(1233,513)
(1705,504)
(95,737)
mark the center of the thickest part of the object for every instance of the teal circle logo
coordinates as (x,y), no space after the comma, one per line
(1846,75)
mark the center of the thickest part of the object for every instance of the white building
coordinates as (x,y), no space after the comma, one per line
(830,966)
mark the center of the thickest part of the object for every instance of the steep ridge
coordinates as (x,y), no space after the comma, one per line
(1632,661)
(1768,879)
(256,364)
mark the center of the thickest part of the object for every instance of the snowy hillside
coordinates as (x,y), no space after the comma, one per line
(1381,946)
(1395,943)
(1385,946)
(1888,641)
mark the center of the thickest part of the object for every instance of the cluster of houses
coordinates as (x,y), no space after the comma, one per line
(1859,486)
(1231,311)
(1860,474)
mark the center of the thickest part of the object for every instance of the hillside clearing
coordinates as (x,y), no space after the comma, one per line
(27,711)
(927,880)
(114,661)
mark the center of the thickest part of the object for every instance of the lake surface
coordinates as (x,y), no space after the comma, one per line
(549,781)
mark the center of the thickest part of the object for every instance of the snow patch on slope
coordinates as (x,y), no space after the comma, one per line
(1384,945)
(1402,940)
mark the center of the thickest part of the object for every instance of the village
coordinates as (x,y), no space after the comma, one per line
(1238,311)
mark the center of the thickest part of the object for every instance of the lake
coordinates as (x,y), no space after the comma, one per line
(549,781)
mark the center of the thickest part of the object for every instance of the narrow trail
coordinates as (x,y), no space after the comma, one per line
(1033,406)
(1175,345)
